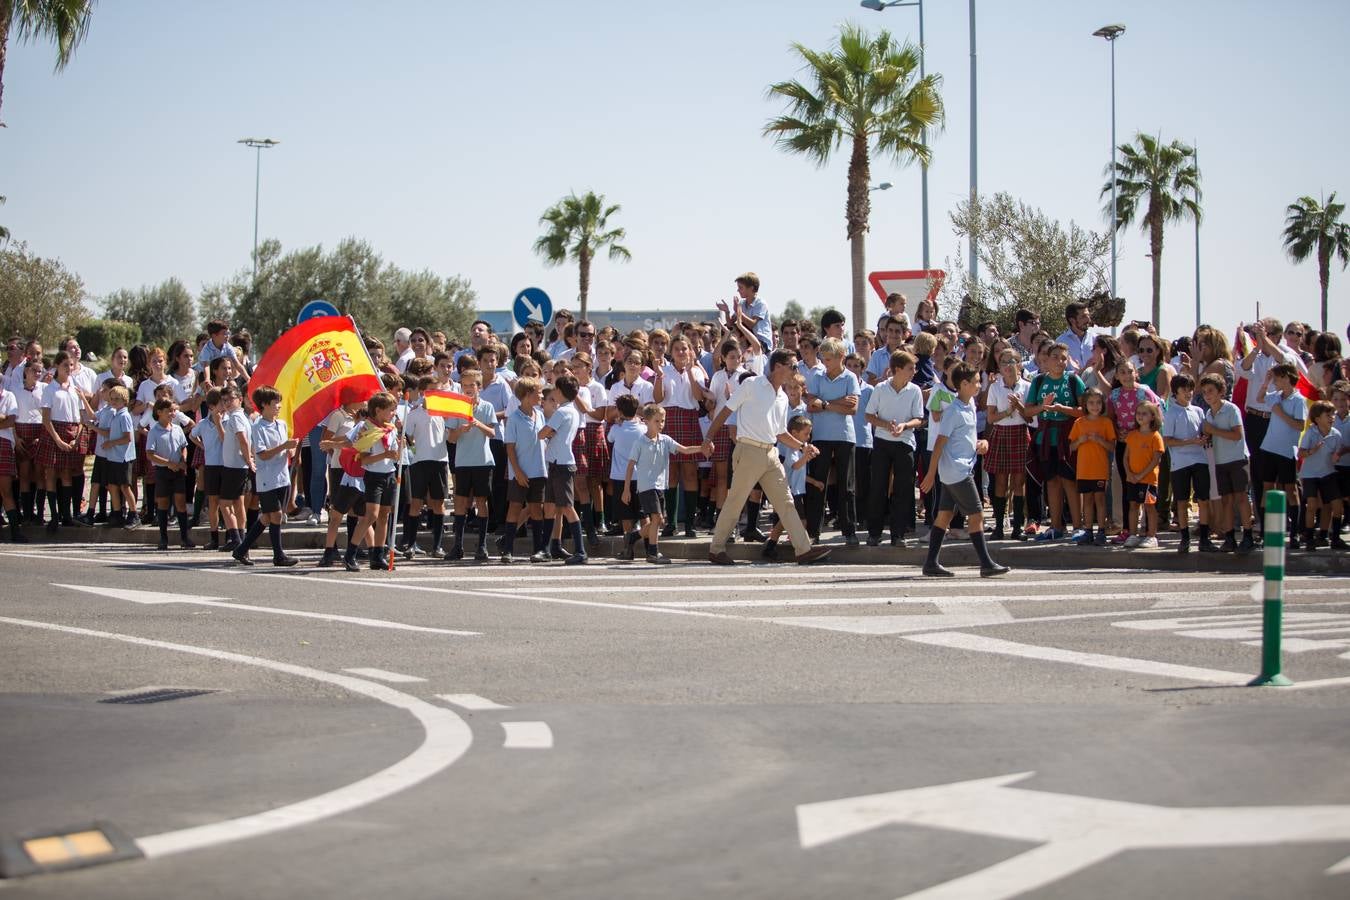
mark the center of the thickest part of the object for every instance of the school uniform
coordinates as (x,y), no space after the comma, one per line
(473,455)
(892,460)
(833,433)
(66,408)
(378,477)
(429,475)
(1190,464)
(560,457)
(1280,443)
(522,430)
(9,406)
(722,385)
(338,422)
(1317,477)
(102,417)
(1009,437)
(1230,456)
(167,443)
(862,453)
(208,434)
(234,465)
(28,429)
(272,477)
(682,410)
(651,462)
(956,464)
(623,436)
(1342,471)
(596,461)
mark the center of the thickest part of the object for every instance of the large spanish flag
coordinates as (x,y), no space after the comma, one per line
(317,366)
(448,405)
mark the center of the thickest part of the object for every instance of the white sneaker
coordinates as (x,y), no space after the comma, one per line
(313,519)
(1135,540)
(1147,543)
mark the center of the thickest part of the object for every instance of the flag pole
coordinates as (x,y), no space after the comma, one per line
(393,513)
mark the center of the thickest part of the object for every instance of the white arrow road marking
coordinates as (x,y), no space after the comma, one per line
(391,677)
(446,737)
(527,736)
(952,614)
(1076,831)
(471,702)
(155,597)
(1303,631)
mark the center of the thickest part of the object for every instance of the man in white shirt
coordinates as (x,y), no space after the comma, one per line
(761,422)
(1268,352)
(402,348)
(1076,337)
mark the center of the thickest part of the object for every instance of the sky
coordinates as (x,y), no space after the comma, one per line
(440,131)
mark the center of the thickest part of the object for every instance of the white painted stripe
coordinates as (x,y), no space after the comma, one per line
(746,575)
(382,675)
(1321,683)
(527,736)
(158,598)
(446,737)
(782,602)
(982,644)
(471,702)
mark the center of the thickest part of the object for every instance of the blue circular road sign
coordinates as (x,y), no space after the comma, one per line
(531,303)
(315,308)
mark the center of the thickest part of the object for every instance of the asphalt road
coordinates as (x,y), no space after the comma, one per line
(630,731)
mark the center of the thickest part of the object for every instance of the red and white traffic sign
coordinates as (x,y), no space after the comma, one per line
(915,284)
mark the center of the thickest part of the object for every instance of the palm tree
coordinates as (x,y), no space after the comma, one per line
(578,229)
(865,91)
(1163,179)
(1315,227)
(64,21)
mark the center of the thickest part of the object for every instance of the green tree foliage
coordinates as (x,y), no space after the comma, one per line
(354,278)
(1313,228)
(864,93)
(165,312)
(1027,259)
(579,230)
(102,336)
(38,297)
(1156,183)
(63,22)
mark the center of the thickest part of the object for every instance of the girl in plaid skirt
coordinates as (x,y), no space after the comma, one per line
(64,409)
(592,400)
(9,414)
(679,387)
(1009,438)
(27,432)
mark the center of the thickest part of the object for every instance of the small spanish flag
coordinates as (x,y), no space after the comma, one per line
(448,405)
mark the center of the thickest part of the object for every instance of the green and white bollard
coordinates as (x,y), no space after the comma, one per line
(1272,608)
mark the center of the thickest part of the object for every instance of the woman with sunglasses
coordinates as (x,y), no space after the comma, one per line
(1156,375)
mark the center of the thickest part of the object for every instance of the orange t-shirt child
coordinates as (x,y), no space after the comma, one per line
(1139,449)
(1093,467)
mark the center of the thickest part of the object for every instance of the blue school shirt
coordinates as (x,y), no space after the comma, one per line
(879,364)
(798,410)
(1184,422)
(758,309)
(120,425)
(231,457)
(1280,438)
(1343,426)
(498,394)
(1227,418)
(832,426)
(565,421)
(522,429)
(205,431)
(1318,463)
(652,458)
(861,429)
(958,454)
(102,419)
(166,442)
(382,445)
(472,449)
(271,473)
(623,436)
(796,478)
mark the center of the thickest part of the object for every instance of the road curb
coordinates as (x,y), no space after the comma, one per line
(1059,556)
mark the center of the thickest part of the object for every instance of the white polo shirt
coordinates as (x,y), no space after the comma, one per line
(761,410)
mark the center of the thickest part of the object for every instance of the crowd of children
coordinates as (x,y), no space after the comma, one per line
(913,435)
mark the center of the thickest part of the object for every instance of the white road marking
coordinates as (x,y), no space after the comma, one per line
(527,736)
(949,615)
(391,677)
(471,702)
(1210,597)
(446,737)
(155,597)
(1074,831)
(748,575)
(982,644)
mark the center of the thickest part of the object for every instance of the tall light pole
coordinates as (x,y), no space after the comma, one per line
(878,6)
(1195,157)
(974,160)
(259,144)
(1110,33)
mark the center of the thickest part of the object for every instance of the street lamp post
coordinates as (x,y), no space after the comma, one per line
(259,144)
(1110,33)
(974,159)
(878,5)
(1195,156)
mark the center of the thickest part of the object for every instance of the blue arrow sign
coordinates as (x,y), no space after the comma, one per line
(531,302)
(315,308)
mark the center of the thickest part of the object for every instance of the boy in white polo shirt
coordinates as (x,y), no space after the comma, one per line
(272,450)
(429,474)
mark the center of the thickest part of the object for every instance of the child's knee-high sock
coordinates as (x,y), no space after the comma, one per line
(437,529)
(274,532)
(509,538)
(251,517)
(482,531)
(76,492)
(457,529)
(981,548)
(935,536)
(586,516)
(184,527)
(411,524)
(251,536)
(541,531)
(690,508)
(351,532)
(1019,515)
(578,540)
(162,517)
(63,493)
(53,506)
